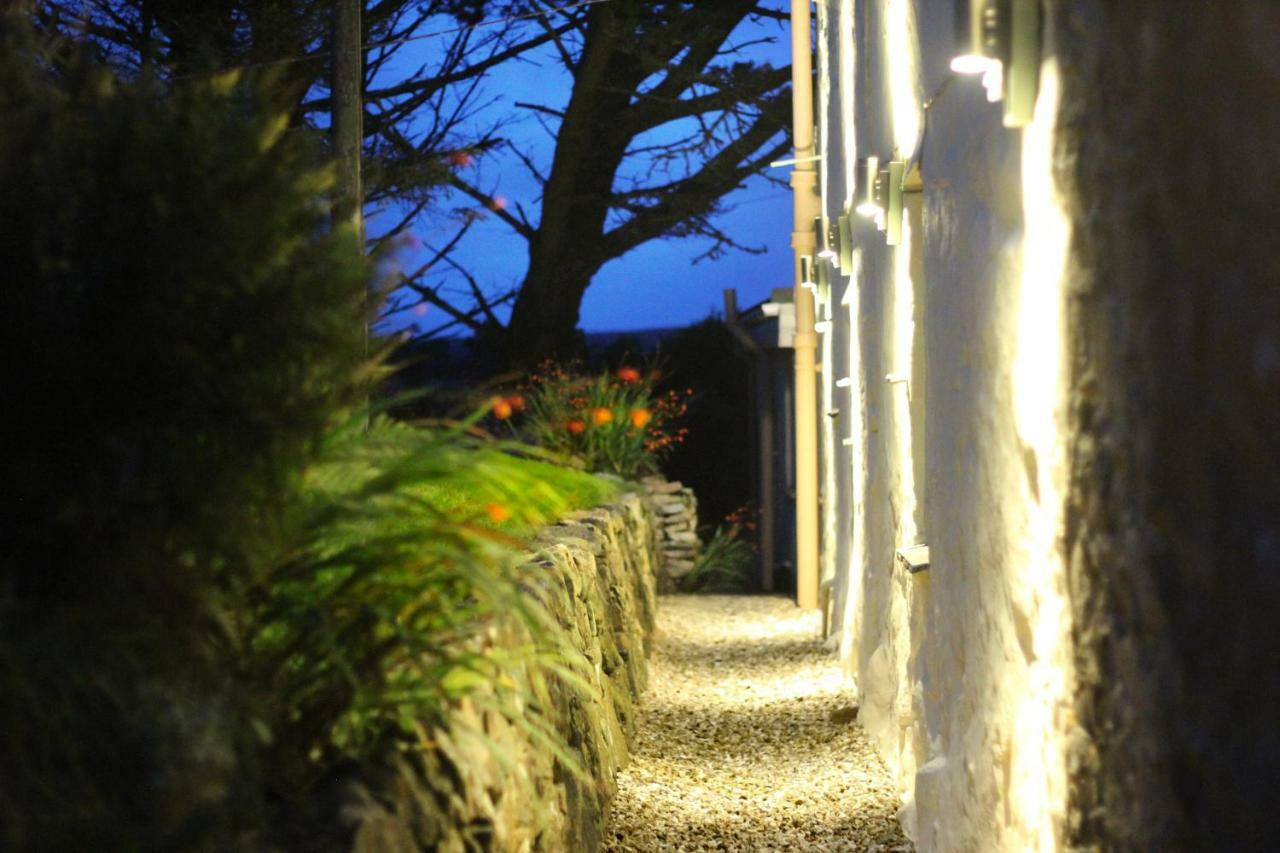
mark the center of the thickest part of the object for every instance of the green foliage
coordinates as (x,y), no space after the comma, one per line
(726,564)
(367,630)
(179,330)
(612,422)
(544,489)
(221,581)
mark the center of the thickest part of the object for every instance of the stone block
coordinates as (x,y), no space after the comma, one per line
(596,576)
(659,486)
(679,568)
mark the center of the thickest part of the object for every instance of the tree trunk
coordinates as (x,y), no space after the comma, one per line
(614,103)
(544,321)
(589,151)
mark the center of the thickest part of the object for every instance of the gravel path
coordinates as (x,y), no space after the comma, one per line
(746,741)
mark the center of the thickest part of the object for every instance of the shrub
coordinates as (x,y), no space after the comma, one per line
(726,563)
(363,635)
(221,581)
(612,422)
(180,330)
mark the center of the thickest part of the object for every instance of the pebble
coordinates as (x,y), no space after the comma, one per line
(747,740)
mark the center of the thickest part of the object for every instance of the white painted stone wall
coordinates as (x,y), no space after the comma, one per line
(962,672)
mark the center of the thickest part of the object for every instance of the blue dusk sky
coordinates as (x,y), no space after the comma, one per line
(655,285)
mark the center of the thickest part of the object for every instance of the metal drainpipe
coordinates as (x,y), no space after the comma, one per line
(804,183)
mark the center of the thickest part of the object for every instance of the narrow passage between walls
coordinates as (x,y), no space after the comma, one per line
(747,742)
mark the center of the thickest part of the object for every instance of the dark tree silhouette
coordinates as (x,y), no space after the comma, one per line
(613,183)
(412,125)
(664,119)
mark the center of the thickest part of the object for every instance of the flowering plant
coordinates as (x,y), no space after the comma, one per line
(613,422)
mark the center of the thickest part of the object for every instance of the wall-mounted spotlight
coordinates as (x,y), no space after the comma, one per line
(806,273)
(893,209)
(822,239)
(881,197)
(844,240)
(913,559)
(978,36)
(1000,39)
(884,189)
(831,244)
(868,177)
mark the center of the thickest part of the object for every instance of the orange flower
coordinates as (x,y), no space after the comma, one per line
(501,408)
(601,416)
(629,374)
(575,426)
(516,402)
(640,417)
(497,513)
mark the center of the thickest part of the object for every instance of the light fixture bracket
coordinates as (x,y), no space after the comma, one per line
(1022,69)
(844,233)
(1000,39)
(893,206)
(913,559)
(868,174)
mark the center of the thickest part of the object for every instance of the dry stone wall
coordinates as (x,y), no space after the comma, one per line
(675,509)
(490,783)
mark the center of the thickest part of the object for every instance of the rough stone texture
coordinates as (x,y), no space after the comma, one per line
(676,510)
(486,784)
(747,740)
(1172,121)
(962,670)
(1088,313)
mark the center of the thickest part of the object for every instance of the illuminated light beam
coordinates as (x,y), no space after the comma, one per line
(904,76)
(971,63)
(904,332)
(1042,700)
(851,617)
(848,110)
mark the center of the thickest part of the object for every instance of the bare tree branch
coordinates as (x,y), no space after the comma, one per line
(540,108)
(524,229)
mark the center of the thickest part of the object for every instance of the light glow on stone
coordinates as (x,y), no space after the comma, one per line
(830,516)
(970,63)
(848,110)
(993,81)
(851,616)
(904,76)
(1042,705)
(904,334)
